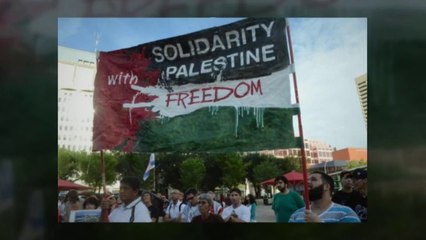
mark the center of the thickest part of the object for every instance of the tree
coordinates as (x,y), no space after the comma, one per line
(289,163)
(214,173)
(68,165)
(266,170)
(167,165)
(233,169)
(91,171)
(356,163)
(261,167)
(254,159)
(134,164)
(192,172)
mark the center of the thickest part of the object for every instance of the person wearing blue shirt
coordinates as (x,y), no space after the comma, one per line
(250,202)
(322,209)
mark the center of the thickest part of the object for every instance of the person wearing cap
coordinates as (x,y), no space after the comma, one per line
(285,202)
(205,203)
(322,209)
(347,196)
(361,185)
(237,212)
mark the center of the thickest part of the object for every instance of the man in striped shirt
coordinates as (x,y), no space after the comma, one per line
(322,209)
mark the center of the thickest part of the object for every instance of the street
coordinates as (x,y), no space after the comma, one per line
(264,213)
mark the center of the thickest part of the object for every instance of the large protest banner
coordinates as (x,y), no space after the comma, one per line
(225,88)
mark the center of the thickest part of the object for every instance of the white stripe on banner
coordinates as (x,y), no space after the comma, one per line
(151,165)
(271,91)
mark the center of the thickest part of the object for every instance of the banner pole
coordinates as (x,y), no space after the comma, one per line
(154,180)
(105,195)
(299,120)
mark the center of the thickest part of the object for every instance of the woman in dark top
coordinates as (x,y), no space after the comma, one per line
(153,210)
(205,202)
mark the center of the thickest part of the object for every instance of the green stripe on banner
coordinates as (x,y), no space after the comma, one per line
(219,130)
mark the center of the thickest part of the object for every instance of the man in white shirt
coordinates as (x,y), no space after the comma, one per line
(174,212)
(191,209)
(132,209)
(237,212)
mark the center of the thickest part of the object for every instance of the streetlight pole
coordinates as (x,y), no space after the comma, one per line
(325,167)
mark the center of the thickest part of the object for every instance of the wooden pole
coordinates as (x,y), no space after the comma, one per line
(105,195)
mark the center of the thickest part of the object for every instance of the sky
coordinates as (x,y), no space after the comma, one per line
(329,53)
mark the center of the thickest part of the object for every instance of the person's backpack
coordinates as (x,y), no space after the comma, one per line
(132,216)
(170,205)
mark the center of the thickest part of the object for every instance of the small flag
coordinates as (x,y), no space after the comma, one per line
(151,165)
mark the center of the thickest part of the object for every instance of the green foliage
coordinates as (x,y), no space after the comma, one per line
(68,164)
(131,164)
(90,168)
(167,165)
(265,170)
(192,172)
(205,171)
(252,160)
(290,163)
(214,173)
(356,163)
(233,169)
(134,164)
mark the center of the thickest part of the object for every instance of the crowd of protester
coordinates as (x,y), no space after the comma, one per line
(133,205)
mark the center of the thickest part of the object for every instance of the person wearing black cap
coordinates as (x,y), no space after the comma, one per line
(361,185)
(347,196)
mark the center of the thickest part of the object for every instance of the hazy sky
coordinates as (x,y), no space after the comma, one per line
(329,54)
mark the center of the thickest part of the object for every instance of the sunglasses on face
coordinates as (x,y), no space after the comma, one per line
(189,198)
(202,202)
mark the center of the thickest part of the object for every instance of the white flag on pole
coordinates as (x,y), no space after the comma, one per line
(151,165)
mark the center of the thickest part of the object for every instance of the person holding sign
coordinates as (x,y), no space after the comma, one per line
(322,208)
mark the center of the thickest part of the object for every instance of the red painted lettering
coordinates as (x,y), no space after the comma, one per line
(237,95)
(194,97)
(216,95)
(257,87)
(180,99)
(205,95)
(168,100)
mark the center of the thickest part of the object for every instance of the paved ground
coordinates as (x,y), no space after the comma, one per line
(264,213)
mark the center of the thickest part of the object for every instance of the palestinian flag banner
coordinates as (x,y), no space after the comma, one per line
(221,89)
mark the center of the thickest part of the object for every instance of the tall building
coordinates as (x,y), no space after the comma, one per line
(361,85)
(76,75)
(315,151)
(350,154)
